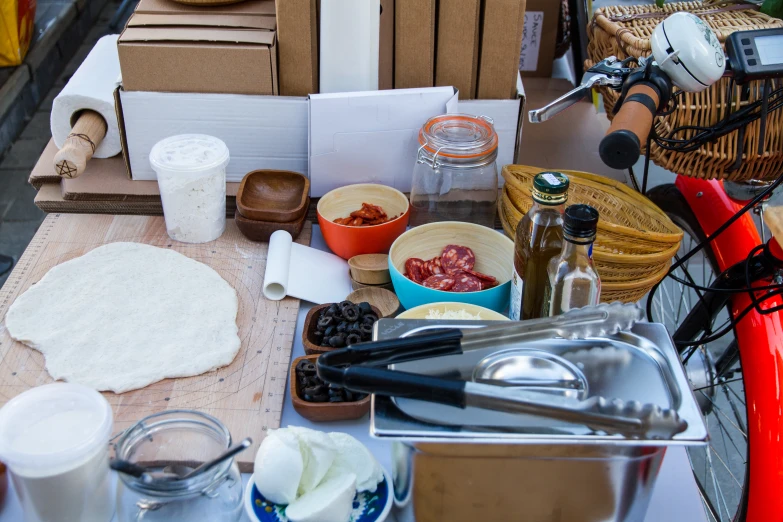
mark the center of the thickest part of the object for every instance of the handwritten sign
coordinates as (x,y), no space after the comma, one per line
(531,40)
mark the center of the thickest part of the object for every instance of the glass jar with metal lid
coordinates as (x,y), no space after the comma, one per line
(455,177)
(178,437)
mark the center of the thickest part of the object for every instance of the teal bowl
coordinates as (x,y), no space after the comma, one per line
(494,256)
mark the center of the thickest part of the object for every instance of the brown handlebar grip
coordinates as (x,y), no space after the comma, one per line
(87,133)
(621,147)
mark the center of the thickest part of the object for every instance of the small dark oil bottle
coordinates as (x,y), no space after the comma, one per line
(539,238)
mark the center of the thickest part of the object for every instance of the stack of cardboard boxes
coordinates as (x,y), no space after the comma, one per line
(248,74)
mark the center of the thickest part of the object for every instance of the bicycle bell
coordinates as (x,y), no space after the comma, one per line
(688,51)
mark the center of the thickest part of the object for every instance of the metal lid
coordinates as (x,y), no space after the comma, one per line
(550,188)
(459,136)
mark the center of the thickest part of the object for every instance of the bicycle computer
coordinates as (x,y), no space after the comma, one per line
(756,55)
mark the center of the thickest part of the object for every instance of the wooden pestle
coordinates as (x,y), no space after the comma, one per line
(88,132)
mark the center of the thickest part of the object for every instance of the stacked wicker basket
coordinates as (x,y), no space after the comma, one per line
(636,240)
(625,31)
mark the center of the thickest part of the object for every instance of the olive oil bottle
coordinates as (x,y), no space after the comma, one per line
(539,238)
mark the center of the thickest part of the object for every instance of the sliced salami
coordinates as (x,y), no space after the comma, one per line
(483,277)
(439,282)
(455,257)
(433,266)
(464,282)
(414,270)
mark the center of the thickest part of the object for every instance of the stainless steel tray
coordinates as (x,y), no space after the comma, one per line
(641,365)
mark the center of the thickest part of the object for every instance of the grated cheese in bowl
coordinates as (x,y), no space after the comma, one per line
(463,314)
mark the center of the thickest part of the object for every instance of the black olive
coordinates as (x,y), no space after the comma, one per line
(353,339)
(348,395)
(330,331)
(301,365)
(345,304)
(318,335)
(369,318)
(318,389)
(336,399)
(320,398)
(342,327)
(325,320)
(351,313)
(365,308)
(308,398)
(359,396)
(332,310)
(366,328)
(337,341)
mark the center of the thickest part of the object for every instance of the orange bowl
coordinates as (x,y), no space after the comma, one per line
(347,241)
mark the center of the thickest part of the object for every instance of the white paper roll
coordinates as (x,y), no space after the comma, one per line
(91,87)
(303,272)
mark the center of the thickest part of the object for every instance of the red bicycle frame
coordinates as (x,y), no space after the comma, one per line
(760,341)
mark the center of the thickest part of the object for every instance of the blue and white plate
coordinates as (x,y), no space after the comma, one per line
(367,507)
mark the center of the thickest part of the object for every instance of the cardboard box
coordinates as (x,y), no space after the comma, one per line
(501,41)
(386,46)
(369,137)
(456,62)
(297,36)
(539,38)
(190,52)
(372,137)
(261,132)
(508,117)
(414,43)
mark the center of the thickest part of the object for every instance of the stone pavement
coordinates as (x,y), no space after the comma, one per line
(19,217)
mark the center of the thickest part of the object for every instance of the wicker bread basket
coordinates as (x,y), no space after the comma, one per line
(625,31)
(635,241)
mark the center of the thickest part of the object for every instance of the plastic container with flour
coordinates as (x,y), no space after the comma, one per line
(191,170)
(55,441)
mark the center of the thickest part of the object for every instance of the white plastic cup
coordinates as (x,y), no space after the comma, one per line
(55,442)
(191,171)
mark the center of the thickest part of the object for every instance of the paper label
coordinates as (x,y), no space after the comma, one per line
(531,40)
(551,179)
(515,309)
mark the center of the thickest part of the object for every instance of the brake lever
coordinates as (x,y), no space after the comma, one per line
(609,72)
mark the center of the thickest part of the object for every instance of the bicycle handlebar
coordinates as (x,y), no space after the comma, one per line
(621,147)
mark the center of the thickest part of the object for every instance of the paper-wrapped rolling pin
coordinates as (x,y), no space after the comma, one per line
(84,122)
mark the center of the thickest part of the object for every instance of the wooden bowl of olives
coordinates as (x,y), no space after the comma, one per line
(318,401)
(336,325)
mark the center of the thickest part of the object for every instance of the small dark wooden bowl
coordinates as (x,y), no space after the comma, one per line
(279,196)
(310,324)
(324,411)
(262,230)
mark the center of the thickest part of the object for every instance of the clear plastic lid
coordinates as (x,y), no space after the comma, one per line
(189,153)
(459,136)
(53,427)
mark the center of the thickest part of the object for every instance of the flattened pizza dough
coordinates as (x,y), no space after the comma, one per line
(126,315)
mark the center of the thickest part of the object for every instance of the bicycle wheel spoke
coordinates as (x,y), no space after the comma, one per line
(718,490)
(733,392)
(717,409)
(728,470)
(737,414)
(723,433)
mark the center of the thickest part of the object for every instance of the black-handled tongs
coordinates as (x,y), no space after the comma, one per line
(362,368)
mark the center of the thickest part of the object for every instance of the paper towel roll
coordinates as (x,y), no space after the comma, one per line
(91,87)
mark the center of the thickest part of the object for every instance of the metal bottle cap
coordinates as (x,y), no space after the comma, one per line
(550,188)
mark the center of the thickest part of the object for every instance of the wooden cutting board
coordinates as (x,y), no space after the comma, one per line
(247,395)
